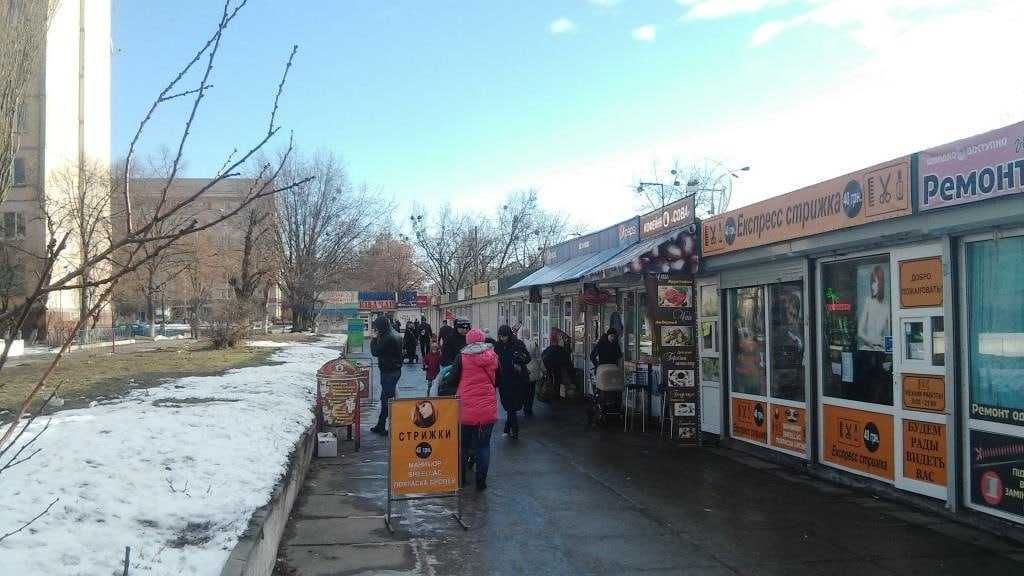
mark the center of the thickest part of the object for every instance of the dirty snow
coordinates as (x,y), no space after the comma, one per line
(267,344)
(173,471)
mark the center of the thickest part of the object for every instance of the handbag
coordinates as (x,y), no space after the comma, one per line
(450,376)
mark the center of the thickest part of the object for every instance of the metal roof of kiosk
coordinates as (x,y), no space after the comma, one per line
(574,258)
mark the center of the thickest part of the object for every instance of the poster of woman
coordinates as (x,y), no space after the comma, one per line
(874,313)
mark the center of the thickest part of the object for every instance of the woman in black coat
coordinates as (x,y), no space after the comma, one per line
(411,340)
(426,333)
(512,376)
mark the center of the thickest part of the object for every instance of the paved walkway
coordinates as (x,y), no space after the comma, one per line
(565,500)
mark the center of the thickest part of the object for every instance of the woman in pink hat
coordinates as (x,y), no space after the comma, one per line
(477,382)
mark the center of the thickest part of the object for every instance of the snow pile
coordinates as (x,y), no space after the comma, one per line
(173,471)
(268,344)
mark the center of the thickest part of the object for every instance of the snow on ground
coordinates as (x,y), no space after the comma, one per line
(173,471)
(267,344)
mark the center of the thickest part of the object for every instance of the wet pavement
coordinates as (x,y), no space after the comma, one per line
(567,500)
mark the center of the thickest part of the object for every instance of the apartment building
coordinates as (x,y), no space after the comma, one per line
(216,252)
(63,127)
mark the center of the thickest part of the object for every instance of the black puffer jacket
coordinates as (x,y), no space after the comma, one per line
(605,352)
(512,375)
(452,345)
(386,346)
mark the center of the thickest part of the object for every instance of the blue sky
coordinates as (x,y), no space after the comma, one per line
(464,101)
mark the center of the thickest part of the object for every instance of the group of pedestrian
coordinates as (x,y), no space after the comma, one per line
(466,363)
(417,336)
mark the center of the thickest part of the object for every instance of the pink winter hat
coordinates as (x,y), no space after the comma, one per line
(475,335)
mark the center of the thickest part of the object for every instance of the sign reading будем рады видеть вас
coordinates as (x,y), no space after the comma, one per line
(985,166)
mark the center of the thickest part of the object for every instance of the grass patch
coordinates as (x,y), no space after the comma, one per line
(97,374)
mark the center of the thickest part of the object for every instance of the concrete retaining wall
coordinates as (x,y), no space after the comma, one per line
(256,551)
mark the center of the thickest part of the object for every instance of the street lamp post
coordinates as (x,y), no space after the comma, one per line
(692,186)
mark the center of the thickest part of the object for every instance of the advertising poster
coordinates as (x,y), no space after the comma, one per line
(924,452)
(921,283)
(673,315)
(789,428)
(679,253)
(877,193)
(874,320)
(423,452)
(924,392)
(355,333)
(977,168)
(997,471)
(376,300)
(339,397)
(750,420)
(859,440)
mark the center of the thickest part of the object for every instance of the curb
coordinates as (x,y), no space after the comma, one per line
(255,554)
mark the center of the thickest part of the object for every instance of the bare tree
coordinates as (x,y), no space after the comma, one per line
(78,200)
(321,222)
(198,280)
(23,28)
(456,250)
(387,263)
(443,257)
(126,251)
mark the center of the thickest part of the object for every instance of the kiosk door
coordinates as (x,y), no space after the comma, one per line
(921,399)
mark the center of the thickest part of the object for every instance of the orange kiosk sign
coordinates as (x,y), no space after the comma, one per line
(423,451)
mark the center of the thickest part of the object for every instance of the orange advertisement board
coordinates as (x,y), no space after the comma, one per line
(423,452)
(921,283)
(480,290)
(859,440)
(789,428)
(924,452)
(750,420)
(877,193)
(924,393)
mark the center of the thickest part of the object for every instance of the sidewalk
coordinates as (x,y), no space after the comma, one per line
(566,500)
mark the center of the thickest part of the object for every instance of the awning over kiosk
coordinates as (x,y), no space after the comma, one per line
(572,269)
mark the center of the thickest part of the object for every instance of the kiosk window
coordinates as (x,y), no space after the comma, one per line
(857,325)
(646,343)
(748,341)
(995,290)
(787,341)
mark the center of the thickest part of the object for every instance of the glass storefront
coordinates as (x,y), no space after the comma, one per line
(747,341)
(856,315)
(767,363)
(993,282)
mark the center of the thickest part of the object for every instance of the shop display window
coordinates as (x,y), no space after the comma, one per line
(938,341)
(646,331)
(788,376)
(710,369)
(857,325)
(748,339)
(994,278)
(709,320)
(629,321)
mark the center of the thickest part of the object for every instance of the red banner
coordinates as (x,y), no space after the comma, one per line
(377,305)
(423,300)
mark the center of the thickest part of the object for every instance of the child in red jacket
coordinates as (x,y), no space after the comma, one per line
(432,364)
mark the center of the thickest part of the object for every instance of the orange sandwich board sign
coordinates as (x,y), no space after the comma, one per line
(423,451)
